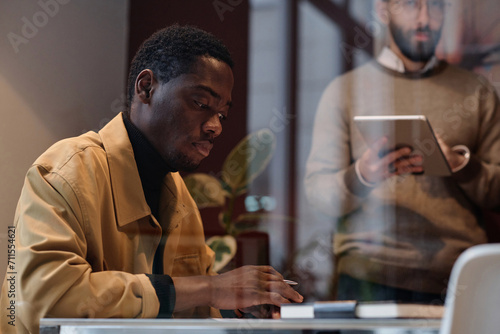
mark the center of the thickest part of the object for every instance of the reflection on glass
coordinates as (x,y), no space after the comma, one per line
(397,229)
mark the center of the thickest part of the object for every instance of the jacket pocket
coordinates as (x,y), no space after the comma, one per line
(187,265)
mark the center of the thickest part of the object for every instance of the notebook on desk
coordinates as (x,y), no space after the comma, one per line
(364,310)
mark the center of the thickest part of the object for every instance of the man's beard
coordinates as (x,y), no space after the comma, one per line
(422,51)
(181,162)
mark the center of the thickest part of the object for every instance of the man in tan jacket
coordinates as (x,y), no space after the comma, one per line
(105,226)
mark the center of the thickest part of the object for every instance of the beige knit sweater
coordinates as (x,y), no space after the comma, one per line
(408,231)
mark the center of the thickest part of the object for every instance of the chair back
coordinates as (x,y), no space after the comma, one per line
(473,296)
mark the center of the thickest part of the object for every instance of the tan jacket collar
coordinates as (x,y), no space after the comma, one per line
(128,194)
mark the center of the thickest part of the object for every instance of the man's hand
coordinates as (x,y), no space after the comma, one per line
(249,286)
(252,289)
(375,166)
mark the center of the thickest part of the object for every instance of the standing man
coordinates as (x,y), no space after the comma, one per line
(399,230)
(105,226)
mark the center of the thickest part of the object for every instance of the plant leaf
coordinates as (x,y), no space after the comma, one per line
(224,248)
(220,248)
(248,159)
(205,189)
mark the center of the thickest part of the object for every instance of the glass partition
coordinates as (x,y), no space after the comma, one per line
(395,232)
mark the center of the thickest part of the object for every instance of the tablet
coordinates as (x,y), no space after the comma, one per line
(412,131)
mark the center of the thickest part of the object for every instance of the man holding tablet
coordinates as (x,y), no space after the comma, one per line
(399,229)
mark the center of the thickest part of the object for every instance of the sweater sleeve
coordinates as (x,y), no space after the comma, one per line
(480,179)
(331,182)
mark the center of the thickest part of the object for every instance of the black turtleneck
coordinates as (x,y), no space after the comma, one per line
(152,170)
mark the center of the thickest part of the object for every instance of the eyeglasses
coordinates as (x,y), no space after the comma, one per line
(435,8)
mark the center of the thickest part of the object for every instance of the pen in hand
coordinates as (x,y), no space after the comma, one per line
(289,282)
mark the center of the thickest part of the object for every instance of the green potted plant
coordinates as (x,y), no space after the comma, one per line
(243,164)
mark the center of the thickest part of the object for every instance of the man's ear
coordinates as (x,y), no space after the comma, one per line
(382,10)
(144,85)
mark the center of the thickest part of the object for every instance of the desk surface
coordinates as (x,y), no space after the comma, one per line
(240,326)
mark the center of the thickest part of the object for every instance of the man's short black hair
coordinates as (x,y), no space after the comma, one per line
(172,51)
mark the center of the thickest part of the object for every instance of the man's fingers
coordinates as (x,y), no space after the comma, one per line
(411,164)
(276,299)
(285,291)
(386,166)
(270,270)
(400,162)
(277,293)
(394,156)
(270,277)
(379,145)
(251,286)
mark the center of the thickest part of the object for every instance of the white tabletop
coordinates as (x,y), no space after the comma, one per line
(240,326)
